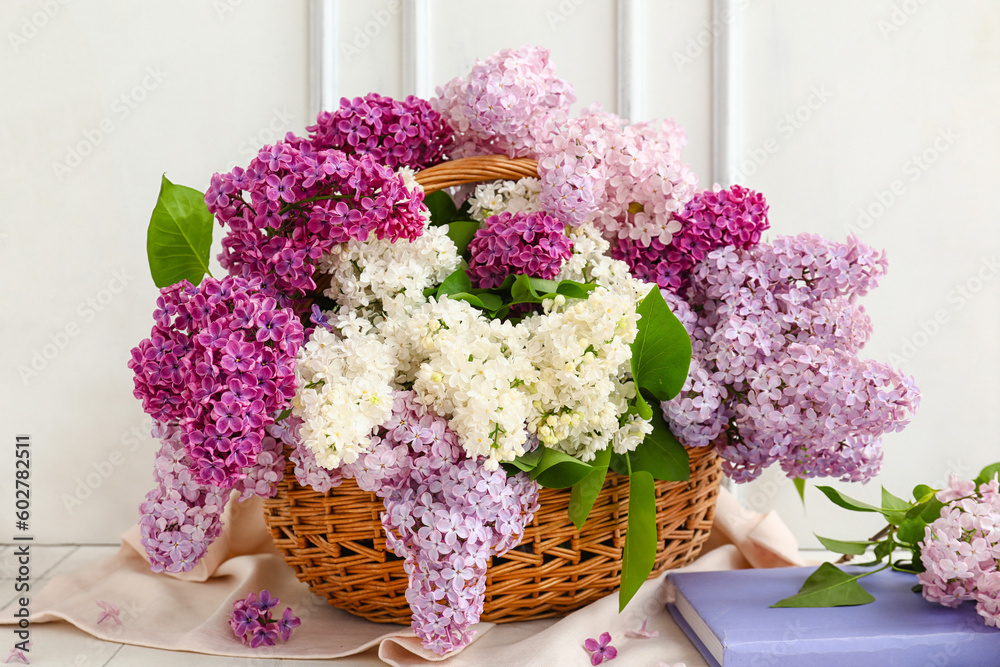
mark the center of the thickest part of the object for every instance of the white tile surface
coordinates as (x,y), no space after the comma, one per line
(62,645)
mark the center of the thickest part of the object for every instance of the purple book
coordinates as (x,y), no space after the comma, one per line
(727,615)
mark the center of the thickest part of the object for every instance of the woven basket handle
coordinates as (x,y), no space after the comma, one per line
(476,169)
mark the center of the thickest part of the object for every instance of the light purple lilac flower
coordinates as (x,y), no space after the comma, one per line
(775,373)
(445,515)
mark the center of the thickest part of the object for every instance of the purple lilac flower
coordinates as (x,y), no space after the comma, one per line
(220,363)
(775,375)
(445,515)
(295,201)
(600,649)
(395,133)
(511,243)
(179,519)
(712,219)
(252,620)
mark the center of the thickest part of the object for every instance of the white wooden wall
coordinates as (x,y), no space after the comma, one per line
(830,109)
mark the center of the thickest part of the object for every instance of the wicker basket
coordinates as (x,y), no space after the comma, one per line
(336,544)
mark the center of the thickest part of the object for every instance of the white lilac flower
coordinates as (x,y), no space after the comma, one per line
(495,197)
(345,391)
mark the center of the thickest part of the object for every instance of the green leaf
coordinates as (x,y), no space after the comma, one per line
(584,493)
(442,208)
(556,470)
(884,549)
(800,486)
(661,352)
(660,454)
(932,510)
(471,298)
(458,282)
(529,460)
(911,530)
(490,301)
(640,539)
(179,237)
(574,290)
(922,493)
(619,464)
(522,291)
(642,408)
(283,414)
(461,233)
(846,502)
(894,509)
(988,473)
(829,586)
(841,547)
(542,286)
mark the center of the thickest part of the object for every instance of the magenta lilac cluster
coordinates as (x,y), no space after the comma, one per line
(293,203)
(254,620)
(511,243)
(627,179)
(219,363)
(395,133)
(961,549)
(507,104)
(775,332)
(445,515)
(712,219)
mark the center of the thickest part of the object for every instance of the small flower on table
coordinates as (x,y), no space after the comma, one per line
(252,622)
(109,612)
(18,654)
(600,649)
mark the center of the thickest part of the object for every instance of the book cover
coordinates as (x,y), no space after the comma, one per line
(728,616)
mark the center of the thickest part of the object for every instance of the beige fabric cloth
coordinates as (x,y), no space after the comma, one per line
(190,611)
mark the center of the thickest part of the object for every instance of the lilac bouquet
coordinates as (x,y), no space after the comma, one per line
(951,537)
(452,352)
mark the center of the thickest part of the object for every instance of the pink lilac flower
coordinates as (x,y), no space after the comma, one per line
(508,104)
(512,243)
(109,612)
(294,202)
(712,219)
(961,549)
(775,375)
(220,363)
(395,133)
(253,622)
(18,654)
(600,649)
(445,515)
(628,180)
(642,633)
